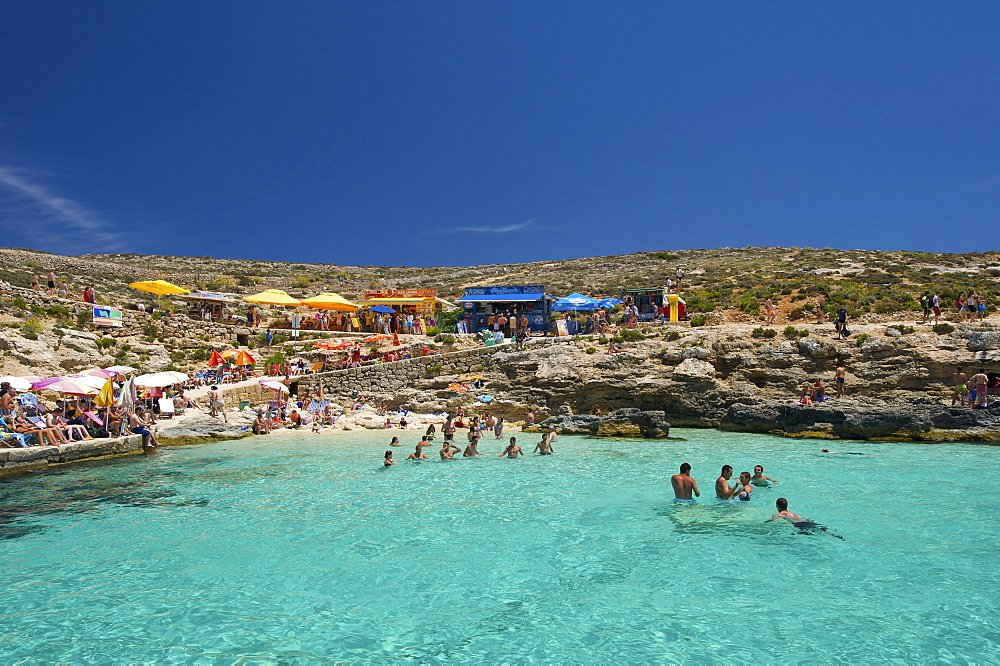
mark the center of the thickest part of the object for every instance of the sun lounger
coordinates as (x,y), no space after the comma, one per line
(166,408)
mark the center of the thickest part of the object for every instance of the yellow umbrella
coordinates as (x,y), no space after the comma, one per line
(106,397)
(159,287)
(229,353)
(330,301)
(272,297)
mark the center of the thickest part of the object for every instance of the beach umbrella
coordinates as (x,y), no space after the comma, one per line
(45,382)
(87,380)
(155,380)
(179,376)
(575,302)
(330,301)
(243,358)
(610,302)
(99,373)
(274,385)
(106,397)
(71,387)
(121,369)
(385,309)
(229,353)
(272,297)
(17,383)
(216,359)
(159,287)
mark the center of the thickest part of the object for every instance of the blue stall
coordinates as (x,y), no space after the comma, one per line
(481,303)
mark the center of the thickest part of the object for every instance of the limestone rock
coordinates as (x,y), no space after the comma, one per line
(694,370)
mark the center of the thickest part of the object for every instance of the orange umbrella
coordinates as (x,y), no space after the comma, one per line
(216,359)
(229,353)
(243,358)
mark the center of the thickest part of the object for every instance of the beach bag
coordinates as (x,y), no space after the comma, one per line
(845,332)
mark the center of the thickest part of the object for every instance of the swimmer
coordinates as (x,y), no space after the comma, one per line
(758,478)
(388,459)
(684,485)
(418,454)
(544,447)
(722,488)
(394,442)
(448,451)
(848,453)
(472,450)
(512,450)
(424,441)
(745,487)
(804,524)
(551,435)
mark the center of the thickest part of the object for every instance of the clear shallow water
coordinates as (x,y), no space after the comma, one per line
(305,548)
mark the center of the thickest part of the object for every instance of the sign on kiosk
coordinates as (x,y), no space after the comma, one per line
(107,316)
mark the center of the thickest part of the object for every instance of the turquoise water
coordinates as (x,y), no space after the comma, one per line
(304,548)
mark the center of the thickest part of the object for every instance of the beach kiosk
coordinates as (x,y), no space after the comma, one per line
(422,303)
(208,307)
(480,303)
(655,303)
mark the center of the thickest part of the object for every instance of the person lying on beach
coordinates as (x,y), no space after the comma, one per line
(512,450)
(418,454)
(758,478)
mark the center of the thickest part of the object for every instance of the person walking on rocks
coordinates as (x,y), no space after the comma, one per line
(979,383)
(936,306)
(52,282)
(820,304)
(959,389)
(769,312)
(841,323)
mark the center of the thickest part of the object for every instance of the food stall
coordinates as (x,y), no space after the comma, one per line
(655,303)
(480,303)
(418,302)
(210,307)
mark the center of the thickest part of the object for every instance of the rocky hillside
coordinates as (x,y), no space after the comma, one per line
(729,282)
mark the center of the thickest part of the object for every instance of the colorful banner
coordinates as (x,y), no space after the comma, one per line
(106,316)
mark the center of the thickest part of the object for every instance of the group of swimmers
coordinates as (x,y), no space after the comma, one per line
(448,448)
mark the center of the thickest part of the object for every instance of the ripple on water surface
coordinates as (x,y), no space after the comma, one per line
(306,548)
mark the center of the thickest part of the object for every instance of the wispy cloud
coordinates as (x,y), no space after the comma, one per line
(497,230)
(42,212)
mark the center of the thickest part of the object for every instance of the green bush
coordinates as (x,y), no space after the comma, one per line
(673,335)
(860,340)
(433,330)
(18,303)
(632,335)
(447,339)
(31,328)
(905,330)
(434,370)
(943,329)
(105,343)
(794,333)
(760,332)
(591,350)
(699,320)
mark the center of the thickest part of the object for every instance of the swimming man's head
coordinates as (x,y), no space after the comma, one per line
(758,470)
(782,504)
(685,468)
(727,468)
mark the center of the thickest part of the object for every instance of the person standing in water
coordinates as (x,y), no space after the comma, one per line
(512,450)
(722,488)
(744,489)
(448,451)
(544,447)
(418,454)
(388,459)
(684,485)
(758,478)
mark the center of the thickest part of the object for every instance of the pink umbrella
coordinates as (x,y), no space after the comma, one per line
(100,372)
(70,387)
(44,382)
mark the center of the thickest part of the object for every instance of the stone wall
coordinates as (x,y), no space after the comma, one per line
(14,461)
(387,378)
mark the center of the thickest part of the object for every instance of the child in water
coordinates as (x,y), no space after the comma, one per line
(388,459)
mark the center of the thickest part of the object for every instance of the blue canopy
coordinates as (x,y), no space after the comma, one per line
(381,308)
(501,298)
(610,302)
(575,302)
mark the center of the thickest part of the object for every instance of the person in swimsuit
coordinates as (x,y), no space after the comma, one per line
(758,478)
(769,312)
(838,379)
(472,450)
(959,390)
(217,404)
(979,382)
(418,454)
(544,447)
(498,427)
(847,453)
(431,432)
(684,485)
(723,490)
(512,450)
(804,524)
(388,459)
(448,451)
(394,442)
(744,489)
(448,429)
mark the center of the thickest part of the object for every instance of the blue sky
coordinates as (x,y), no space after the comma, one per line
(454,133)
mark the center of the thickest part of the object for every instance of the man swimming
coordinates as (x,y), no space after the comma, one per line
(512,450)
(804,524)
(758,478)
(684,485)
(848,453)
(722,488)
(544,447)
(418,454)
